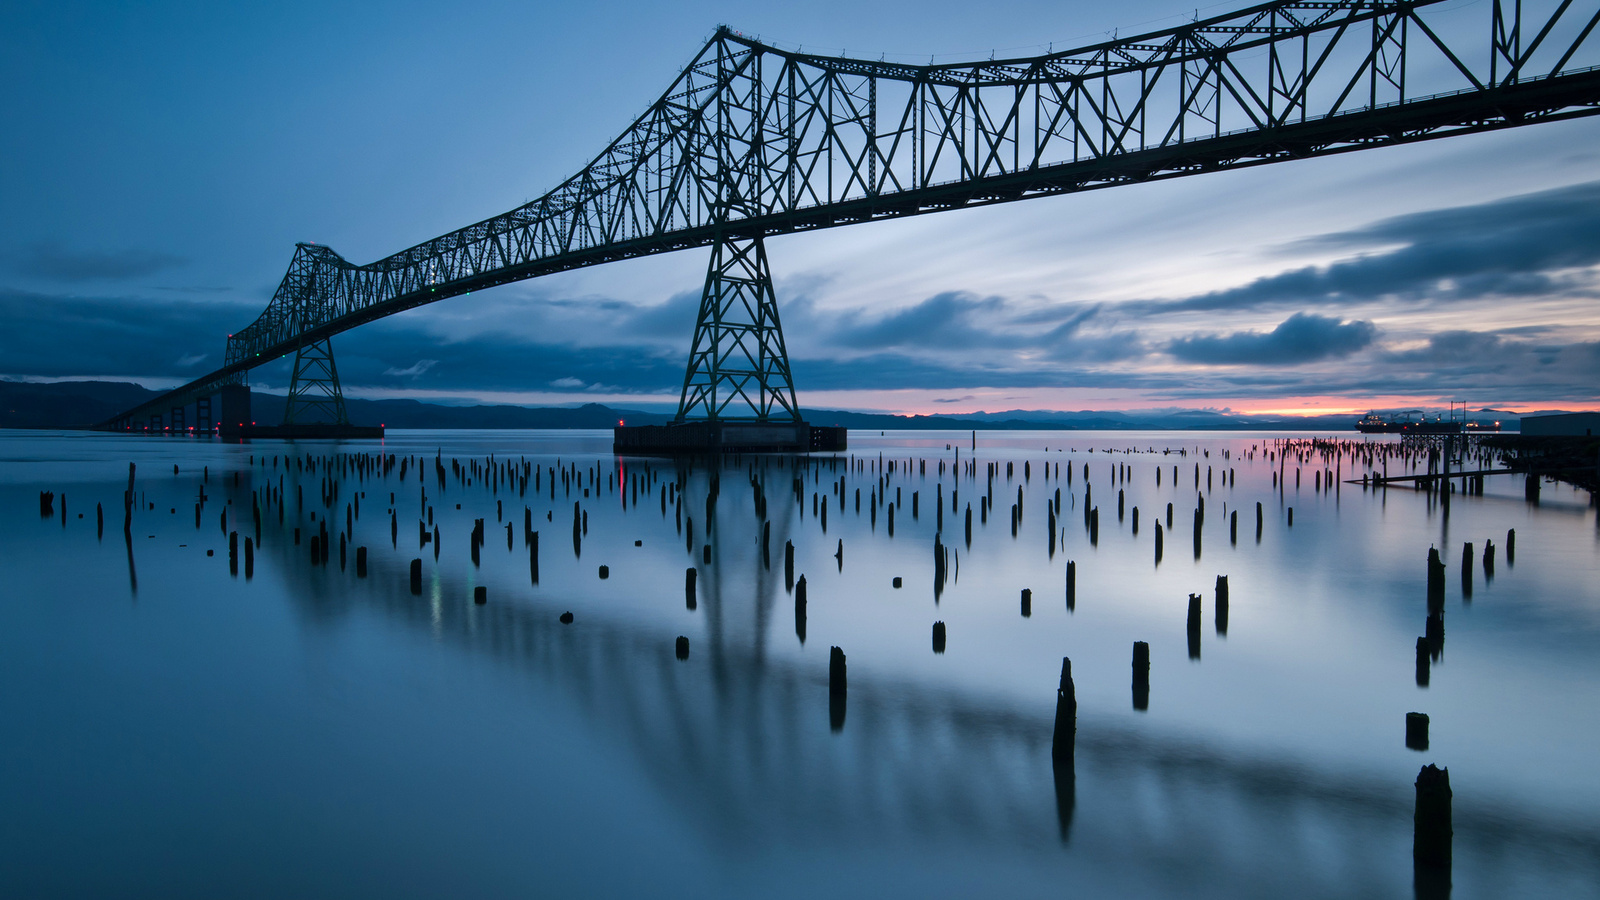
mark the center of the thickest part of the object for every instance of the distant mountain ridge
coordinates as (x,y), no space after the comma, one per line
(80,404)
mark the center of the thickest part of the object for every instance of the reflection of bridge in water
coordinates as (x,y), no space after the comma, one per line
(739,742)
(752,140)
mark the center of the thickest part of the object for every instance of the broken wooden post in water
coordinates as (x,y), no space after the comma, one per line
(1141,675)
(1432,831)
(1064,741)
(1417,731)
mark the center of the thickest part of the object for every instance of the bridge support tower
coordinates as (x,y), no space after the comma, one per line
(738,393)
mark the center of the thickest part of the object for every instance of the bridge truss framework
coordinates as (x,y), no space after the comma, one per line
(752,140)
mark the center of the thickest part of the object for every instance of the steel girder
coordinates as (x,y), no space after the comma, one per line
(752,139)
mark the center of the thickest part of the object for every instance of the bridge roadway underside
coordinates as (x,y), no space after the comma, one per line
(1546,100)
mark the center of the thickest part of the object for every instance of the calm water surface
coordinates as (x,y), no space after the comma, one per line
(173,729)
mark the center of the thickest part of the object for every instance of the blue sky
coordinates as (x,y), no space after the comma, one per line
(162,159)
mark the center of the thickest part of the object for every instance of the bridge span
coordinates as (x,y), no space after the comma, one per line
(751,140)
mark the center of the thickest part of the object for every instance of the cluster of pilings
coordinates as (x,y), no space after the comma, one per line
(811,486)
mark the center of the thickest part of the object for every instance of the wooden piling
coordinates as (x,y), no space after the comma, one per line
(1072,585)
(1027,603)
(1432,832)
(1222,605)
(800,610)
(1193,626)
(1141,675)
(1435,580)
(938,637)
(838,679)
(1417,731)
(480,595)
(1064,741)
(416,576)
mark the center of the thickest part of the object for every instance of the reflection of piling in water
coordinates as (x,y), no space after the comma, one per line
(1066,782)
(1065,739)
(1530,488)
(1193,626)
(1222,605)
(1141,675)
(533,556)
(416,576)
(1434,632)
(361,559)
(1417,731)
(938,637)
(1431,837)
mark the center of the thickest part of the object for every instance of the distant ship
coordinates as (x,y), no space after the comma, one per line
(1402,423)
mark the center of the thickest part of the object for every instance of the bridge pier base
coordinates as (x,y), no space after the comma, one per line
(693,438)
(234,400)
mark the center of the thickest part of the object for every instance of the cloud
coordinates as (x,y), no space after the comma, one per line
(1301,338)
(51,260)
(54,335)
(1520,246)
(415,370)
(568,382)
(948,319)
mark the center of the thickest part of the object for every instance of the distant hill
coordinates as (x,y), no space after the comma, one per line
(80,404)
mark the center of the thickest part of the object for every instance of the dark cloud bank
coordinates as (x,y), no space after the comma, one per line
(1534,245)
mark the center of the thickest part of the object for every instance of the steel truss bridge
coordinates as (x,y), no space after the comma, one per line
(752,140)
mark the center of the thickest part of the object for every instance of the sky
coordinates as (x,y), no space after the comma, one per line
(162,159)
